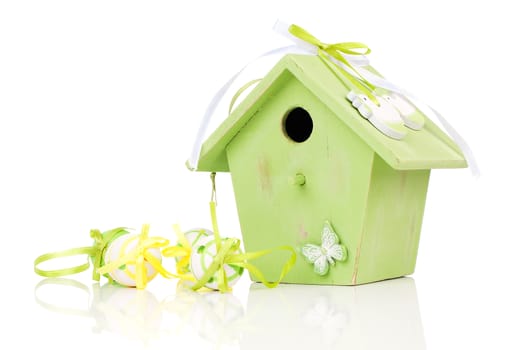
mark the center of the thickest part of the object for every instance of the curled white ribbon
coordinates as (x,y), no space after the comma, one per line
(302,47)
(429,112)
(201,132)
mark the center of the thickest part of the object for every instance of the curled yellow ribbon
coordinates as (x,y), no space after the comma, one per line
(336,51)
(228,253)
(181,252)
(139,255)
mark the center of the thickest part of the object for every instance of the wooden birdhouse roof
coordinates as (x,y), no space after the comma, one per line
(428,148)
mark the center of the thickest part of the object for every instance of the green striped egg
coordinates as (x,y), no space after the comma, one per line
(195,238)
(201,259)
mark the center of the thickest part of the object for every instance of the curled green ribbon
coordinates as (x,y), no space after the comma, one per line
(94,252)
(229,253)
(62,254)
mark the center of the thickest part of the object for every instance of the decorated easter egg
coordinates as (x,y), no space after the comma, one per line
(195,238)
(126,274)
(201,259)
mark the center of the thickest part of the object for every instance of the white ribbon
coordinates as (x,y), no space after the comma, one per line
(429,112)
(302,47)
(201,132)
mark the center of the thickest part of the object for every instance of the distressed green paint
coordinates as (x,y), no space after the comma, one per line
(428,148)
(390,237)
(274,212)
(370,187)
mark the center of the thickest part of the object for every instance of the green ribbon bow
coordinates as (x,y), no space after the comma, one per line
(229,253)
(328,52)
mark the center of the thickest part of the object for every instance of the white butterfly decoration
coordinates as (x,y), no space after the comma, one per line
(325,255)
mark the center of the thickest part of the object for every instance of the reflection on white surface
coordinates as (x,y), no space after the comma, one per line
(216,318)
(138,315)
(382,315)
(129,312)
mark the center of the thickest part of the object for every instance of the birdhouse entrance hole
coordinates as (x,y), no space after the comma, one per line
(298,125)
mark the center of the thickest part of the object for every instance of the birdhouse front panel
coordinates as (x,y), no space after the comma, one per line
(296,166)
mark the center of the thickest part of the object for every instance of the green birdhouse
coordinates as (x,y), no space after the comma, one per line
(310,172)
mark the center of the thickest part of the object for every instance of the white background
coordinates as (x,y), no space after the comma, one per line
(99,104)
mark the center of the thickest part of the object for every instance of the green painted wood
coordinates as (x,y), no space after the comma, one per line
(390,236)
(213,156)
(337,168)
(425,149)
(376,210)
(370,187)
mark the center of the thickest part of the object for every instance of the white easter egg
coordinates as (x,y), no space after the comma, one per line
(195,238)
(201,259)
(126,274)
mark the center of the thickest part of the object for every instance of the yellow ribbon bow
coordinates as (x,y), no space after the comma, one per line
(328,52)
(138,256)
(181,252)
(135,257)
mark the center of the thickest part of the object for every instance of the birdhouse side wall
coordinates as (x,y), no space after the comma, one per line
(390,239)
